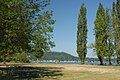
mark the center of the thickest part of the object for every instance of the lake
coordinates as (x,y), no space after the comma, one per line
(75,62)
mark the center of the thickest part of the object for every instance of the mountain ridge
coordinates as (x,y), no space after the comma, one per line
(53,55)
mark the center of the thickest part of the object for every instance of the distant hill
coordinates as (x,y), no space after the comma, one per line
(58,56)
(62,56)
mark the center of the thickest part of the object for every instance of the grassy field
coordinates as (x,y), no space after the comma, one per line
(59,72)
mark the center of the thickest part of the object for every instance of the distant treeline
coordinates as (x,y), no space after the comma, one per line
(63,56)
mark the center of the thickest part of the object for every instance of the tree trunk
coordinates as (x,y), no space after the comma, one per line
(110,61)
(118,57)
(101,60)
(37,60)
(82,62)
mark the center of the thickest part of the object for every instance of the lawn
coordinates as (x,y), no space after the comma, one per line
(59,72)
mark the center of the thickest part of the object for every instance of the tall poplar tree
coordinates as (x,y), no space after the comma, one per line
(101,33)
(116,26)
(118,31)
(82,34)
(110,39)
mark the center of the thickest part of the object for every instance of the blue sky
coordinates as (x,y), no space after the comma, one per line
(66,16)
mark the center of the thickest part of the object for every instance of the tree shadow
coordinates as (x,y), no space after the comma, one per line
(29,73)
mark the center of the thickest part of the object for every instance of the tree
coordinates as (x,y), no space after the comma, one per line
(116,26)
(25,27)
(14,32)
(41,24)
(110,39)
(82,34)
(118,31)
(101,33)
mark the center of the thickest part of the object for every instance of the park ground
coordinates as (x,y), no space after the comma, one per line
(59,72)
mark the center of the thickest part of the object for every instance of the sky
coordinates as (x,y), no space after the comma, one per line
(65,12)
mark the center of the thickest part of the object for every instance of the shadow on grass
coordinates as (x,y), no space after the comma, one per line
(29,73)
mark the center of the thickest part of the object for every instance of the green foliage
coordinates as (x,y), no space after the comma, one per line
(82,34)
(22,57)
(24,28)
(101,33)
(116,26)
(41,24)
(14,35)
(110,36)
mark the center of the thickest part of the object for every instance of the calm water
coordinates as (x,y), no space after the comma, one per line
(77,62)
